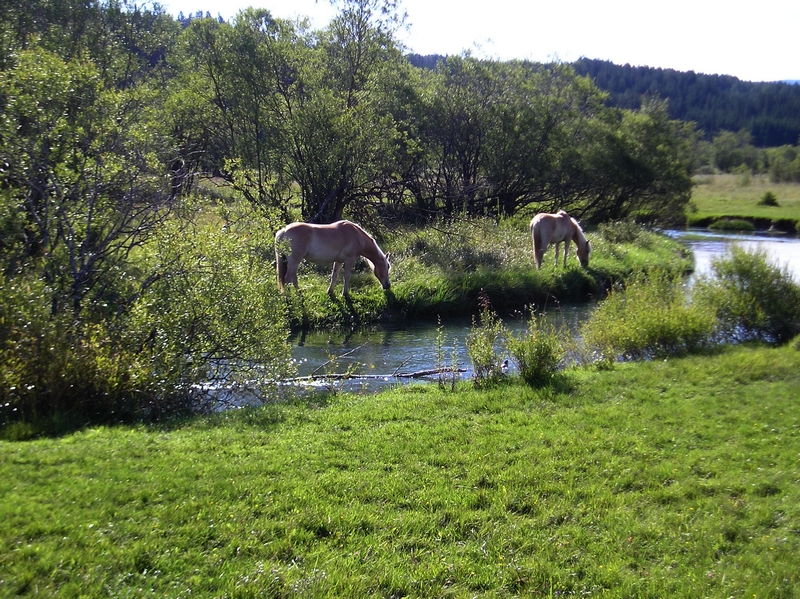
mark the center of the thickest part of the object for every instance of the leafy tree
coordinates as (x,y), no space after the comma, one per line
(94,256)
(232,101)
(783,164)
(81,175)
(638,166)
(545,119)
(454,130)
(734,149)
(344,134)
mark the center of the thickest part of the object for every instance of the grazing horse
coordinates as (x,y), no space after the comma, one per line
(341,242)
(555,228)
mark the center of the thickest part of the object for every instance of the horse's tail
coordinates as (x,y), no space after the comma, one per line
(281,263)
(536,235)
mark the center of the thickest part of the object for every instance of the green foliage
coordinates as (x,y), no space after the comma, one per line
(732,224)
(753,299)
(768,199)
(648,317)
(207,321)
(538,353)
(487,334)
(783,164)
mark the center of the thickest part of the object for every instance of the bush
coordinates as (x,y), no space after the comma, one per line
(732,224)
(482,343)
(768,199)
(208,320)
(538,353)
(648,318)
(60,364)
(752,298)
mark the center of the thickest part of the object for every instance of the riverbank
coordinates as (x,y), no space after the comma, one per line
(653,479)
(452,269)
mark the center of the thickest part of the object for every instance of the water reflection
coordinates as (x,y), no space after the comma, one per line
(382,353)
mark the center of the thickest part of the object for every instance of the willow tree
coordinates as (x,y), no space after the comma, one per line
(231,101)
(343,132)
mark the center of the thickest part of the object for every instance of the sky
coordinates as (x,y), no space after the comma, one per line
(754,41)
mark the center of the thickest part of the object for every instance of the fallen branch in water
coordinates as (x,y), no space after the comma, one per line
(397,375)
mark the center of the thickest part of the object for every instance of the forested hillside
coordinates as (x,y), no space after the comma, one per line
(770,112)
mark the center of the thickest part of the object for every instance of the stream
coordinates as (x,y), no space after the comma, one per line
(381,353)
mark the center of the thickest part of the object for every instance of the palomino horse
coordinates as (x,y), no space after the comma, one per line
(341,242)
(555,228)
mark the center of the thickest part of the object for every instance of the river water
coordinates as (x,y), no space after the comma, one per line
(380,353)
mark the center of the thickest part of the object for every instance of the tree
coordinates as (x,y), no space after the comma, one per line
(232,98)
(344,135)
(638,165)
(545,120)
(81,175)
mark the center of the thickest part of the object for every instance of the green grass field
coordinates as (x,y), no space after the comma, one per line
(674,478)
(718,196)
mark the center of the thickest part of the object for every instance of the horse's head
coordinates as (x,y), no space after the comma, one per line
(380,268)
(583,253)
(382,271)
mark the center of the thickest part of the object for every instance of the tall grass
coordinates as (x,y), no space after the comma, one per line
(746,297)
(648,317)
(539,352)
(752,298)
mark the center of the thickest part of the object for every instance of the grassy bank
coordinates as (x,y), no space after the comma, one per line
(718,197)
(450,269)
(668,478)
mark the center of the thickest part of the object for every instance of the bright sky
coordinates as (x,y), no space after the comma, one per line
(751,41)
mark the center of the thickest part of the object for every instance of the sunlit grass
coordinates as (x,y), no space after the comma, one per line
(666,478)
(717,196)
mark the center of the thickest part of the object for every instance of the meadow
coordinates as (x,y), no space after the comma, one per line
(652,479)
(738,196)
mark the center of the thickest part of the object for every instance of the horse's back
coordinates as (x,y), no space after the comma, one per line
(551,228)
(326,243)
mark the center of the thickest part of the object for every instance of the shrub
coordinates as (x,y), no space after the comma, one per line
(752,298)
(648,318)
(732,224)
(768,199)
(209,318)
(60,364)
(538,353)
(482,342)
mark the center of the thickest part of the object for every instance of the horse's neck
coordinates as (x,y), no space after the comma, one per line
(578,237)
(370,251)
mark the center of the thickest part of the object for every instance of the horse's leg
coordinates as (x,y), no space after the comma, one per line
(557,248)
(292,264)
(337,266)
(566,251)
(348,269)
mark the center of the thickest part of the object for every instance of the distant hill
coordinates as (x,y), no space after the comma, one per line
(769,111)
